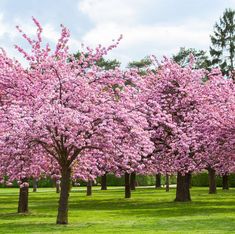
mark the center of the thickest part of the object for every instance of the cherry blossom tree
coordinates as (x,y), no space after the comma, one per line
(17,161)
(70,108)
(173,92)
(216,124)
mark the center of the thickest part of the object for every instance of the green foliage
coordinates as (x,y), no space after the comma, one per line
(141,65)
(200,58)
(42,183)
(222,49)
(172,179)
(141,180)
(108,64)
(111,181)
(201,180)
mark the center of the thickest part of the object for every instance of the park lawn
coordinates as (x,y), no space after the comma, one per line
(148,211)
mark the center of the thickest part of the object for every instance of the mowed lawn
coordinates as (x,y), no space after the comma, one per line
(148,211)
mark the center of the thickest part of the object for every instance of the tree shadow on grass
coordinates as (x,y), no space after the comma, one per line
(40,227)
(139,208)
(169,225)
(29,215)
(198,225)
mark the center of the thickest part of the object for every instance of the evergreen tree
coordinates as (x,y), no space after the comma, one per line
(142,65)
(108,64)
(200,57)
(222,49)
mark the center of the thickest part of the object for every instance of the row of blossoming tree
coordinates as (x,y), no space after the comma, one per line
(68,118)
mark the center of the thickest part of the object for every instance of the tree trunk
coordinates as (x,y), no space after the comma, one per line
(190,180)
(133,180)
(104,182)
(89,188)
(167,183)
(225,182)
(62,217)
(57,185)
(23,198)
(35,185)
(182,190)
(212,181)
(127,186)
(158,181)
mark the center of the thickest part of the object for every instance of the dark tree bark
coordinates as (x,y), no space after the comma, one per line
(35,185)
(62,217)
(158,181)
(104,182)
(182,190)
(212,180)
(127,186)
(167,183)
(23,198)
(225,182)
(89,188)
(133,180)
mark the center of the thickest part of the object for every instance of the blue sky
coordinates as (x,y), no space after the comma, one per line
(157,27)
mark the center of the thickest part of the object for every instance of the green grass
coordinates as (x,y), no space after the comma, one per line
(148,211)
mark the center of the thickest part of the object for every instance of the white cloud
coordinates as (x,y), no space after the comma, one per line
(112,17)
(157,27)
(147,34)
(142,40)
(112,10)
(50,33)
(3,28)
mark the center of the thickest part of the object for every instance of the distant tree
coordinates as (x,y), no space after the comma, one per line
(222,49)
(108,64)
(141,65)
(200,57)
